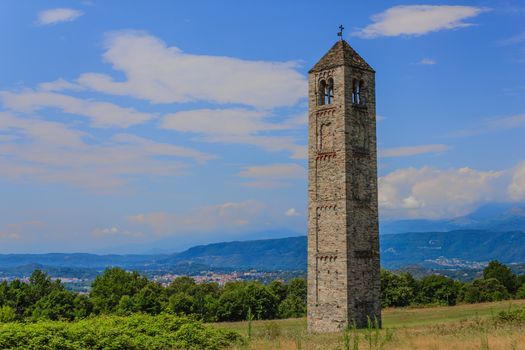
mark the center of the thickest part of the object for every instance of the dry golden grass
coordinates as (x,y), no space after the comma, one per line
(464,327)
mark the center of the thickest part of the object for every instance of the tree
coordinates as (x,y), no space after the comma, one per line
(297,288)
(181,285)
(292,306)
(483,290)
(202,295)
(150,299)
(57,305)
(435,289)
(520,293)
(126,306)
(16,297)
(231,303)
(502,273)
(210,308)
(261,300)
(279,289)
(4,293)
(239,297)
(181,304)
(112,285)
(40,286)
(396,289)
(521,280)
(83,306)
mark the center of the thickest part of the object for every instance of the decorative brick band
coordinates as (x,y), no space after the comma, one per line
(330,111)
(326,207)
(329,258)
(325,155)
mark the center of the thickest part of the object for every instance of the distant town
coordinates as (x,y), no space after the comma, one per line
(83,285)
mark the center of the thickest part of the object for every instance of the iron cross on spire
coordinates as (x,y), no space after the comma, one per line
(340,32)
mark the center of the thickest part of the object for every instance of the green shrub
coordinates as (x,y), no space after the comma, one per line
(517,315)
(520,294)
(7,314)
(271,330)
(137,332)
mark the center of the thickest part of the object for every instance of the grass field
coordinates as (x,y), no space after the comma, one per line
(462,327)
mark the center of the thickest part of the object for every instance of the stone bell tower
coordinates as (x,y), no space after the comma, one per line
(343,235)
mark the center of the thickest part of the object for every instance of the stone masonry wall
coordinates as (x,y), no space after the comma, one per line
(343,241)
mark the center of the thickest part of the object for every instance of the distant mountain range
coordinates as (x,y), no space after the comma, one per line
(491,217)
(462,248)
(270,254)
(430,249)
(492,232)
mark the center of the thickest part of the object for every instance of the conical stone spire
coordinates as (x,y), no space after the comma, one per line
(341,54)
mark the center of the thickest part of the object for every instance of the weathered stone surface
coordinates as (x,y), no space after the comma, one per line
(343,237)
(341,52)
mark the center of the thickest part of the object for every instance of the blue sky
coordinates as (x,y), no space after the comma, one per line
(185,122)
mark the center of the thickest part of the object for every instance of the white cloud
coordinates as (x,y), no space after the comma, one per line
(292,212)
(229,216)
(412,151)
(59,85)
(516,189)
(219,122)
(493,125)
(17,231)
(115,231)
(177,76)
(273,175)
(58,15)
(515,121)
(239,126)
(435,193)
(101,114)
(153,148)
(53,152)
(419,20)
(516,39)
(427,61)
(9,236)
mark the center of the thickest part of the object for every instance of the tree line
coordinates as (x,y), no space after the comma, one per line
(119,292)
(497,283)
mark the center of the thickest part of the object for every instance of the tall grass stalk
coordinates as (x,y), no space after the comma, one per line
(249,318)
(376,333)
(346,338)
(484,342)
(389,336)
(356,337)
(298,337)
(369,332)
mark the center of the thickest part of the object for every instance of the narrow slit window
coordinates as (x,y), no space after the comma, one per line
(358,89)
(361,92)
(355,92)
(322,89)
(329,92)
